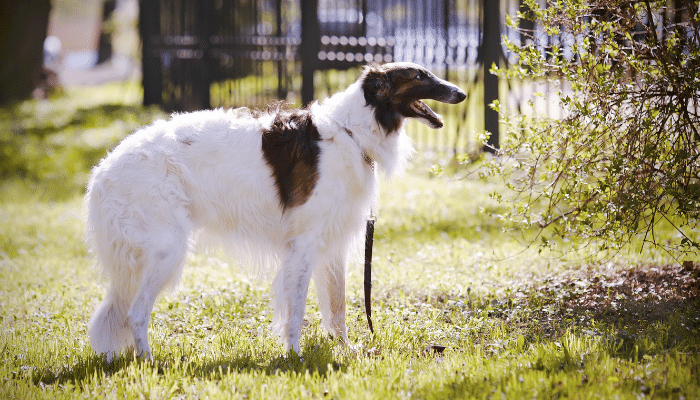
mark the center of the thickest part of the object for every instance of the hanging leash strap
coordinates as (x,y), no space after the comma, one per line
(369,241)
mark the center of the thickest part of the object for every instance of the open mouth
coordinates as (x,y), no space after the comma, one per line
(423,111)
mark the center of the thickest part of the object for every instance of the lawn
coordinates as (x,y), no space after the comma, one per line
(513,322)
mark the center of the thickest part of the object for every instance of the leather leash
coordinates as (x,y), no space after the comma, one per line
(369,241)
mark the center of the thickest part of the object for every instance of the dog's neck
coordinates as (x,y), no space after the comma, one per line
(348,113)
(367,159)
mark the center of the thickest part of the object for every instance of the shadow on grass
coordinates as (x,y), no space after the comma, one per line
(637,314)
(80,118)
(317,357)
(53,148)
(638,311)
(641,311)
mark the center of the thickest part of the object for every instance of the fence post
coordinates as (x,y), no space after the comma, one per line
(151,75)
(310,46)
(202,78)
(281,64)
(490,55)
(446,14)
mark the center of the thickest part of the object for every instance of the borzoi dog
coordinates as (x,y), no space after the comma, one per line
(291,189)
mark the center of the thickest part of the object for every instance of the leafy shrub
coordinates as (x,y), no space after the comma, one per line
(623,162)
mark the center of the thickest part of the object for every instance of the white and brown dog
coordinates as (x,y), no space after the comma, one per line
(290,190)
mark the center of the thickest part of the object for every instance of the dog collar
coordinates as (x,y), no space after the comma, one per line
(368,160)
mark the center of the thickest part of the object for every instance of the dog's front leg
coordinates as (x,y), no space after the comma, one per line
(290,290)
(330,285)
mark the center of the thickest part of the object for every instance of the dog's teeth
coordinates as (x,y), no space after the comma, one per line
(426,112)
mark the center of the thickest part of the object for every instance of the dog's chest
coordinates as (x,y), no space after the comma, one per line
(346,185)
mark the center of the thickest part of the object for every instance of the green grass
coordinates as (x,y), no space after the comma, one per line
(515,324)
(56,141)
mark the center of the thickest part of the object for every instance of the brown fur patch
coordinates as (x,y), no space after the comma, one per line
(290,148)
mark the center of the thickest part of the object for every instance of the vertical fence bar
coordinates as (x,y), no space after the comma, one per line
(446,14)
(152,77)
(310,46)
(490,55)
(281,90)
(203,75)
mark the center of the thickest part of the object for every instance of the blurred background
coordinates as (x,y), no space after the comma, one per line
(194,54)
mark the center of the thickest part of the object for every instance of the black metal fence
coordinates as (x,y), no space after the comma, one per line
(229,53)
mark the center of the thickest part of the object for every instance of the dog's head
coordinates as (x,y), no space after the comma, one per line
(395,92)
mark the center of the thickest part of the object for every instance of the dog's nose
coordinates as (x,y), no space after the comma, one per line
(460,95)
(457,95)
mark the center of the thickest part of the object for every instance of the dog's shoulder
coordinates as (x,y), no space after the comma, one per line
(291,148)
(293,130)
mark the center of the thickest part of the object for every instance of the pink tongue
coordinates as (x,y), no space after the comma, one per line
(425,111)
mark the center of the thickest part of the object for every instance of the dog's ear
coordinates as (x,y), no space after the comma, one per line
(376,84)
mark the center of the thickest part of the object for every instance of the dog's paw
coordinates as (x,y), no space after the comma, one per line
(291,347)
(350,347)
(146,357)
(294,356)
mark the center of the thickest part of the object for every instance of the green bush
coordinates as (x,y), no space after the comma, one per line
(623,162)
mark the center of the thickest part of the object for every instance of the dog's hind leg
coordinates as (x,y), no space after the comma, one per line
(330,286)
(163,266)
(290,287)
(108,328)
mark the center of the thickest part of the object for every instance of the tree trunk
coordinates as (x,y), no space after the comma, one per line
(23,26)
(104,48)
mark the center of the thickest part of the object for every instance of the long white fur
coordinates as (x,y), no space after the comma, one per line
(203,173)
